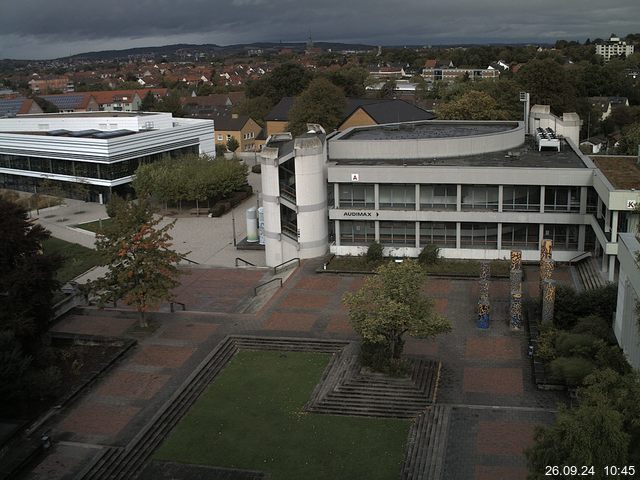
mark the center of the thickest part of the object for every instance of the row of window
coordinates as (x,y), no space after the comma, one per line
(75,168)
(474,197)
(472,235)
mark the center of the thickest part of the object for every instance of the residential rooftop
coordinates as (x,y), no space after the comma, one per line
(623,172)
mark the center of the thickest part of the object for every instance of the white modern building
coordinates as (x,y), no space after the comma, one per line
(475,189)
(614,47)
(626,325)
(98,150)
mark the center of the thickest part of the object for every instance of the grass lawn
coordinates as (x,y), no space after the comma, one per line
(251,418)
(77,259)
(94,226)
(470,268)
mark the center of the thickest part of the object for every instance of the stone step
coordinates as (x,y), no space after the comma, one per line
(427,442)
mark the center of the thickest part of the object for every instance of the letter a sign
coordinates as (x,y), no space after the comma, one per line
(355,177)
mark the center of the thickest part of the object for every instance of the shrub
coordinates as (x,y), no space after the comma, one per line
(429,254)
(571,370)
(582,344)
(570,306)
(374,253)
(612,356)
(546,347)
(43,383)
(595,325)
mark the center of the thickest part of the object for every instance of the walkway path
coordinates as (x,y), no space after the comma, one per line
(485,382)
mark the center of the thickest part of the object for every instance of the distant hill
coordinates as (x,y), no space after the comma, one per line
(209,48)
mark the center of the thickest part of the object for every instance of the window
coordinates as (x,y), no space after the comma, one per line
(480,197)
(442,234)
(562,199)
(521,198)
(398,234)
(438,197)
(592,200)
(565,237)
(520,235)
(401,197)
(480,235)
(356,195)
(357,233)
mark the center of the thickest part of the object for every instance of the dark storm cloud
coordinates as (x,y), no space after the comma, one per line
(43,27)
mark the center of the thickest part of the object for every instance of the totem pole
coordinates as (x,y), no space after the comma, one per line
(483,302)
(515,277)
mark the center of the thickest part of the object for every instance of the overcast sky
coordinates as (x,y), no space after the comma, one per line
(37,29)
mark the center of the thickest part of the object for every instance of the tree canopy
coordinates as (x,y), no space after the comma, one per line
(549,84)
(142,267)
(286,80)
(390,305)
(322,102)
(190,177)
(472,105)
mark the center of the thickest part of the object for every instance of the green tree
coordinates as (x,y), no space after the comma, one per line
(171,103)
(351,79)
(142,267)
(149,102)
(472,105)
(390,305)
(27,277)
(549,84)
(286,80)
(232,144)
(388,89)
(322,102)
(630,141)
(256,108)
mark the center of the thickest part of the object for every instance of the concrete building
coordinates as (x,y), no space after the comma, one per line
(97,151)
(614,47)
(475,189)
(626,326)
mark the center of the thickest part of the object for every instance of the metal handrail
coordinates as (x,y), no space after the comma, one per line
(582,256)
(275,269)
(244,261)
(255,289)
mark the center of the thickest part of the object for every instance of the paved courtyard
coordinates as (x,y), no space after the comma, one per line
(485,375)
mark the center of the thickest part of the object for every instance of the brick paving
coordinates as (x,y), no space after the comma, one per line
(479,368)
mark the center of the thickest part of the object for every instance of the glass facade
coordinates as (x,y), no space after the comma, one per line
(438,197)
(565,237)
(76,168)
(479,235)
(398,234)
(480,197)
(397,197)
(442,234)
(521,198)
(562,199)
(520,235)
(356,195)
(357,233)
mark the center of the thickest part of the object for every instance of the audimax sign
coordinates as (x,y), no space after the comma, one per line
(359,213)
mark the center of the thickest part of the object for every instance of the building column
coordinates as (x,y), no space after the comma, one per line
(607,221)
(499,235)
(500,200)
(603,264)
(540,236)
(583,200)
(336,195)
(376,199)
(458,231)
(582,233)
(336,231)
(417,234)
(612,267)
(542,193)
(614,226)
(377,230)
(417,197)
(459,201)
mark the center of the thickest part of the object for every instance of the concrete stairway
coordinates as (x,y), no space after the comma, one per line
(589,274)
(427,445)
